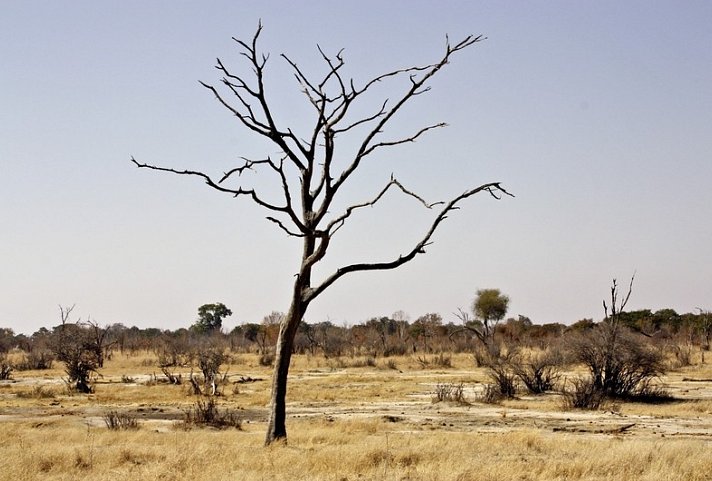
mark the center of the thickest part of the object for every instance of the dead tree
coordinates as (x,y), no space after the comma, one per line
(311,174)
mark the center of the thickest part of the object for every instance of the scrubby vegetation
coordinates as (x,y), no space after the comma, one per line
(354,389)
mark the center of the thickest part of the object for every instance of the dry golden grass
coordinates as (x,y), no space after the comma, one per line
(339,450)
(349,420)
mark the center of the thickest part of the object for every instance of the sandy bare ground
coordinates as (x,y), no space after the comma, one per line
(689,416)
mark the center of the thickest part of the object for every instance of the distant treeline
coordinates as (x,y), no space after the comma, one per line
(380,336)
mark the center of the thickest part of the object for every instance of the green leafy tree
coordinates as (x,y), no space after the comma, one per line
(210,317)
(490,306)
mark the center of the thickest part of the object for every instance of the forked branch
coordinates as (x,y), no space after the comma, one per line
(617,307)
(336,224)
(238,192)
(494,189)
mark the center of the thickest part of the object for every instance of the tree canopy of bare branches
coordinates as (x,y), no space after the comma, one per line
(311,174)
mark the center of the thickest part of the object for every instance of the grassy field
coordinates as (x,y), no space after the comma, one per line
(349,419)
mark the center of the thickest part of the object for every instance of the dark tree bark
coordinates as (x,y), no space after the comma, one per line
(311,177)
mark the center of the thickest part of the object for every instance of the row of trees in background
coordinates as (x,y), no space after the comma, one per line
(380,336)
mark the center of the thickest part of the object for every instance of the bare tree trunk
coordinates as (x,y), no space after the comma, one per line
(276,429)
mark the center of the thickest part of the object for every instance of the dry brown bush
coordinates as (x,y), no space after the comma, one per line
(207,413)
(539,371)
(449,392)
(619,362)
(117,421)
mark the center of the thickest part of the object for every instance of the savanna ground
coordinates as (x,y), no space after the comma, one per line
(349,419)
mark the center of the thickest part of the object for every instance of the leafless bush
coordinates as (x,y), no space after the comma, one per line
(504,379)
(448,392)
(5,368)
(539,372)
(584,394)
(368,361)
(117,421)
(500,370)
(207,413)
(209,362)
(391,364)
(652,393)
(618,361)
(490,394)
(442,360)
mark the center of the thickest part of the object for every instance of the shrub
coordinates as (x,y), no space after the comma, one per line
(500,371)
(5,368)
(539,372)
(584,394)
(391,364)
(368,361)
(442,360)
(490,394)
(116,421)
(447,392)
(504,379)
(652,394)
(73,345)
(618,362)
(207,413)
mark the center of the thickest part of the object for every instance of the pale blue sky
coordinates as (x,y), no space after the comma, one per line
(596,115)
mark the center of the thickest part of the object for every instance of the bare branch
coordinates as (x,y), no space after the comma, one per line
(64,312)
(268,127)
(336,223)
(251,193)
(248,165)
(464,317)
(616,307)
(412,138)
(378,114)
(284,228)
(494,189)
(248,120)
(417,82)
